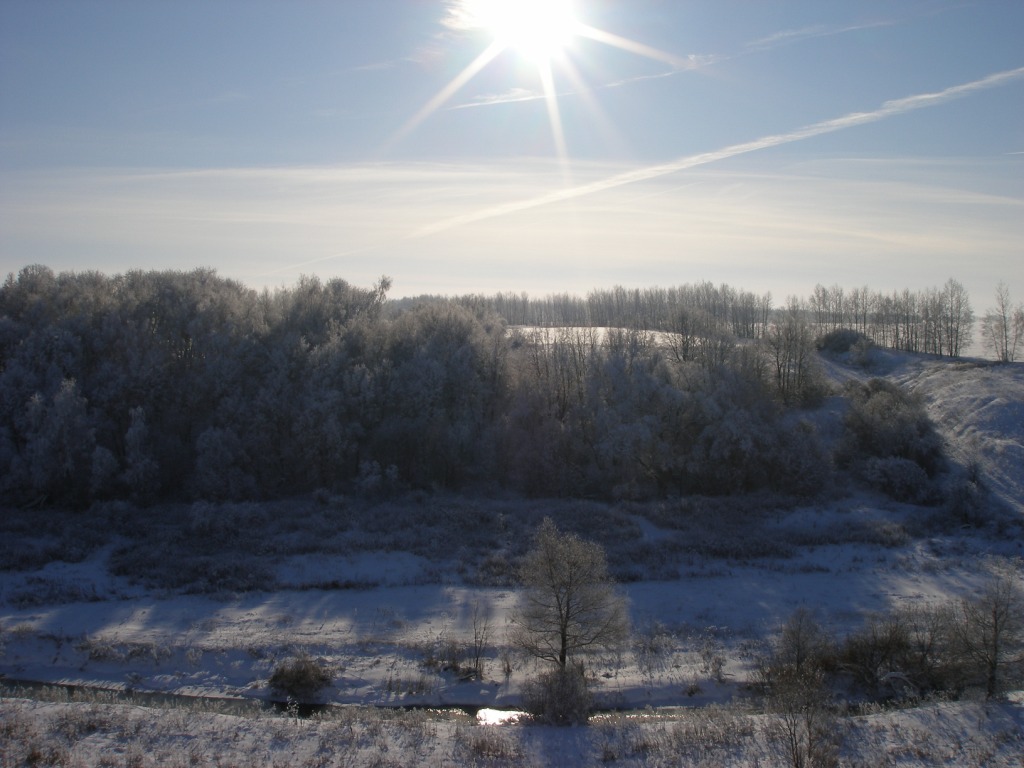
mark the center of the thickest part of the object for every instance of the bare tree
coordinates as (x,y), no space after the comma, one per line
(481,618)
(569,603)
(957,318)
(687,327)
(804,727)
(802,642)
(1004,326)
(790,348)
(990,628)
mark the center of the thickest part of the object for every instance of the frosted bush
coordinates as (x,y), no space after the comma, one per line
(489,743)
(886,422)
(900,479)
(301,677)
(559,697)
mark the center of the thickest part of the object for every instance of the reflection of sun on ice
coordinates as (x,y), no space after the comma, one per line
(536,29)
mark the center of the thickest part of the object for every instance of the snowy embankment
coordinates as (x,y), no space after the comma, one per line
(979,408)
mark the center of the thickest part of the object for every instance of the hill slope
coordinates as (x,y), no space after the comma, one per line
(979,409)
(977,406)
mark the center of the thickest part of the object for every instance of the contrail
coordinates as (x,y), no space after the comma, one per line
(888,109)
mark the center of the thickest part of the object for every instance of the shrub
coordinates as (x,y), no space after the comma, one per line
(803,648)
(886,422)
(803,643)
(47,590)
(488,744)
(907,651)
(899,479)
(301,677)
(559,696)
(863,354)
(873,654)
(840,341)
(967,503)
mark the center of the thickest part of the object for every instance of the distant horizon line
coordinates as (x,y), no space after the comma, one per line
(15,274)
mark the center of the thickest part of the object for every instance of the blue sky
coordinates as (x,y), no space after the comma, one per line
(770,146)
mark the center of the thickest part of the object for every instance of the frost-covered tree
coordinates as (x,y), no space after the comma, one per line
(105,468)
(222,466)
(790,348)
(189,375)
(569,603)
(141,472)
(444,383)
(60,440)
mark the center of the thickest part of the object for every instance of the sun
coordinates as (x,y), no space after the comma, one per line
(542,34)
(537,30)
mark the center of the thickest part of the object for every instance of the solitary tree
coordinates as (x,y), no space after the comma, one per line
(569,604)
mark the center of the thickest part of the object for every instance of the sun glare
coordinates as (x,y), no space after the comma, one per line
(538,30)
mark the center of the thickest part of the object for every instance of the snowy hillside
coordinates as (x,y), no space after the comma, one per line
(381,593)
(979,408)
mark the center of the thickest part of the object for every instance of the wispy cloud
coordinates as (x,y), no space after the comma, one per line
(787,36)
(790,36)
(458,22)
(378,66)
(695,61)
(886,220)
(458,16)
(888,109)
(522,94)
(508,97)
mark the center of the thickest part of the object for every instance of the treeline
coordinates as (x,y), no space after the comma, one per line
(935,321)
(741,313)
(155,385)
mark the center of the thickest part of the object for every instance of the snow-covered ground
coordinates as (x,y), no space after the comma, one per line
(958,735)
(384,620)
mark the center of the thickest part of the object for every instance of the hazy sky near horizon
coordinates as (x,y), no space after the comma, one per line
(768,145)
